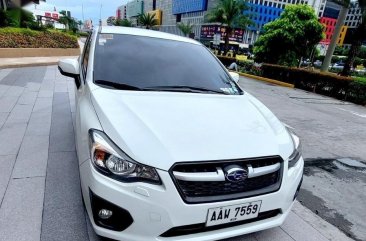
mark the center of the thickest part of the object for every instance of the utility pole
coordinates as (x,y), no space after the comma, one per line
(335,36)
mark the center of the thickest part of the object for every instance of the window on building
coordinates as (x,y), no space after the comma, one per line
(154,4)
(178,18)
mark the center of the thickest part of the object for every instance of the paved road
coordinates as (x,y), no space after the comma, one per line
(39,181)
(334,145)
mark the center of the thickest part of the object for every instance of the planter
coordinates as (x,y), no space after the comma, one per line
(37,52)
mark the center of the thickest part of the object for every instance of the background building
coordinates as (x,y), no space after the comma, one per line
(171,12)
(48,17)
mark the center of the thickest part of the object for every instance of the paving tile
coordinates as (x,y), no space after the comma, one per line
(21,210)
(11,136)
(47,85)
(60,87)
(20,114)
(7,103)
(22,76)
(43,105)
(273,234)
(3,117)
(67,223)
(4,73)
(3,89)
(6,166)
(45,94)
(299,230)
(28,98)
(32,158)
(61,133)
(31,86)
(248,237)
(39,124)
(63,181)
(14,91)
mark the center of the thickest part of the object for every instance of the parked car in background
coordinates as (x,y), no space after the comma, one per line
(338,66)
(170,147)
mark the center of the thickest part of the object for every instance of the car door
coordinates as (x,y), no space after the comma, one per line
(81,94)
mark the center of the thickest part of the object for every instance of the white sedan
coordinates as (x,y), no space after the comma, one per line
(170,147)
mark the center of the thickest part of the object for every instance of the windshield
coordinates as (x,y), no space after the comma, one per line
(145,63)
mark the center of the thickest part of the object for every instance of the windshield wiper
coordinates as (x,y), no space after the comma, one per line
(185,88)
(118,86)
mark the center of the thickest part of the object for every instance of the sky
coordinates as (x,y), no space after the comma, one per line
(91,8)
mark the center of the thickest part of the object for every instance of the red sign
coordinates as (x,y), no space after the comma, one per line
(55,15)
(47,14)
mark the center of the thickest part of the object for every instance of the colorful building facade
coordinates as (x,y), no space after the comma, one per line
(260,12)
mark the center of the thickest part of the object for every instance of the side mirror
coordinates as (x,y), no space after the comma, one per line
(70,68)
(235,76)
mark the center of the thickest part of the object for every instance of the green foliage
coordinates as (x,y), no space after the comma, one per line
(4,18)
(122,22)
(147,20)
(230,14)
(70,23)
(340,87)
(341,51)
(186,28)
(17,17)
(362,53)
(292,36)
(27,38)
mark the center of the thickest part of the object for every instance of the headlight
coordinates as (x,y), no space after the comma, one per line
(296,154)
(109,160)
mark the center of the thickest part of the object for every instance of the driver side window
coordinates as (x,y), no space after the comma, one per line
(85,59)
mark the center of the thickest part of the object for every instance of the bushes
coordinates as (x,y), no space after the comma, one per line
(343,88)
(26,38)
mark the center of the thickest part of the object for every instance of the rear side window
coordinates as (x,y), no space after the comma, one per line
(149,62)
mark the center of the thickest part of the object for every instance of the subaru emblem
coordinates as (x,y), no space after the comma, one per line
(235,173)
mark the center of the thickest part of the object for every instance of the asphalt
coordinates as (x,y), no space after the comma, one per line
(39,180)
(333,135)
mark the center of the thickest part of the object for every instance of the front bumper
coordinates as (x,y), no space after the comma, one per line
(157,209)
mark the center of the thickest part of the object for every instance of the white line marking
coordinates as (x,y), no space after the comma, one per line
(352,112)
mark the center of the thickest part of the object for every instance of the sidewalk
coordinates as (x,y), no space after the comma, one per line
(34,61)
(39,180)
(31,61)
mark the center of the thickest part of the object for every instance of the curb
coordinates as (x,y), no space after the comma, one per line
(6,66)
(272,81)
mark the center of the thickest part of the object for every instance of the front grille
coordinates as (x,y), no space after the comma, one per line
(211,191)
(201,227)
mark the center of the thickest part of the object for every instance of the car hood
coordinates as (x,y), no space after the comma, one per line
(161,128)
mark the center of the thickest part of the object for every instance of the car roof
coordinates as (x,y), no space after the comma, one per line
(145,33)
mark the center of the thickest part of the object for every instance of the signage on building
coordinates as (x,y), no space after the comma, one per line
(158,16)
(51,15)
(187,6)
(135,8)
(208,32)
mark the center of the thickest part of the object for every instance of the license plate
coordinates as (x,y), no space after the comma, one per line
(233,213)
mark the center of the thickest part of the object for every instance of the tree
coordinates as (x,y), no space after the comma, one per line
(290,37)
(229,13)
(122,22)
(69,22)
(147,20)
(80,24)
(64,19)
(357,39)
(186,28)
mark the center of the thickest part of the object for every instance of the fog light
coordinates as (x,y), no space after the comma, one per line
(105,213)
